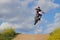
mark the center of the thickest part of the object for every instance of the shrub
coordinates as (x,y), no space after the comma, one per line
(7,34)
(55,35)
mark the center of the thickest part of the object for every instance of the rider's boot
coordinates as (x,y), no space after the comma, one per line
(39,19)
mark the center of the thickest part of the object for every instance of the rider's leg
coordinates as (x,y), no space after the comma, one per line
(40,15)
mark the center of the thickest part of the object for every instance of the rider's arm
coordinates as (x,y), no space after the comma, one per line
(42,11)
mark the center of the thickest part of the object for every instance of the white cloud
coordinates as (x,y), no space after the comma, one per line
(19,15)
(47,4)
(5,11)
(5,25)
(57,17)
(4,1)
(55,24)
(38,30)
(9,25)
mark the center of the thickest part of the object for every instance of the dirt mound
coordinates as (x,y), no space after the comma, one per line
(31,37)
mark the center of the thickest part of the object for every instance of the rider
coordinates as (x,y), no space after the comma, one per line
(39,12)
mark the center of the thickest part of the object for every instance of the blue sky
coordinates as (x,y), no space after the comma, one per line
(19,14)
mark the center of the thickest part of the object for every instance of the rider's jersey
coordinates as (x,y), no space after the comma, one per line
(38,11)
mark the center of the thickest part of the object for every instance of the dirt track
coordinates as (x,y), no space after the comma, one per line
(31,37)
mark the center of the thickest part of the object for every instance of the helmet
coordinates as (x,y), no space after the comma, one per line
(38,7)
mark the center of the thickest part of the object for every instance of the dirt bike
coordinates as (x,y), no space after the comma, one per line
(36,19)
